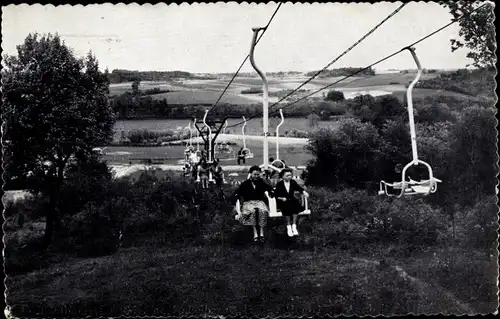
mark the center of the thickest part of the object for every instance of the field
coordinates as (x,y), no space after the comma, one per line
(207,91)
(203,97)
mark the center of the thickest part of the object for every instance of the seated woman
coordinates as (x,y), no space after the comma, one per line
(286,201)
(254,210)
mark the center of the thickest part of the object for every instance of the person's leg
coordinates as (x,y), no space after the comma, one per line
(294,225)
(255,234)
(288,226)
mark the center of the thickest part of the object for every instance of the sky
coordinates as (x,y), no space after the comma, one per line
(216,37)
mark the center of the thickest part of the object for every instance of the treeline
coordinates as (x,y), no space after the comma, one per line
(130,106)
(479,82)
(366,147)
(119,76)
(342,72)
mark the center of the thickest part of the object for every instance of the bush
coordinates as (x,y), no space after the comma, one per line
(95,230)
(353,216)
(477,226)
(252,91)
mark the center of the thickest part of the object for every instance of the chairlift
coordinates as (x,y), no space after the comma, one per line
(412,187)
(246,151)
(209,138)
(277,162)
(223,147)
(273,211)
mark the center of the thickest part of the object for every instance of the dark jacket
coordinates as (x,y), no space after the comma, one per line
(248,192)
(292,205)
(280,190)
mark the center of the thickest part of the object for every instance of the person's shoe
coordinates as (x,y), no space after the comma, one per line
(294,230)
(289,230)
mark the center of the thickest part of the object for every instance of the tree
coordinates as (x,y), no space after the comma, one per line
(56,108)
(334,96)
(135,88)
(477,31)
(473,160)
(344,156)
(313,120)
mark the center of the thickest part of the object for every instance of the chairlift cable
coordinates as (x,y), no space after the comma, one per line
(375,63)
(245,60)
(343,53)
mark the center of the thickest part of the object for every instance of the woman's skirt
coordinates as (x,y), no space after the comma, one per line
(249,216)
(290,207)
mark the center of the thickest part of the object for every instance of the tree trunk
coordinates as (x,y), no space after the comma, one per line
(50,212)
(52,223)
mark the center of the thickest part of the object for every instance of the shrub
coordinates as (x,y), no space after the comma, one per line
(251,91)
(95,230)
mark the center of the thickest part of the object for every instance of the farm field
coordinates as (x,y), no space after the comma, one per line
(207,91)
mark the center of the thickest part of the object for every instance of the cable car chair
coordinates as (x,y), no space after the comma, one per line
(209,138)
(246,152)
(277,162)
(273,210)
(224,147)
(411,187)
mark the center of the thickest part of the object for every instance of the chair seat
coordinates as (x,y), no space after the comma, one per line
(275,214)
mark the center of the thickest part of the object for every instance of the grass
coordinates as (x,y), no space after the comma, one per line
(224,280)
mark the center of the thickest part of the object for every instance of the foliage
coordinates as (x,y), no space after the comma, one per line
(334,151)
(55,107)
(342,72)
(477,31)
(334,96)
(138,137)
(119,76)
(251,91)
(477,226)
(431,113)
(477,83)
(376,110)
(473,160)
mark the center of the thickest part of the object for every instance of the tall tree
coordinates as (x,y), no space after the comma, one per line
(477,31)
(55,108)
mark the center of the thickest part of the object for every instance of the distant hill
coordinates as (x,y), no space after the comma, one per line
(120,76)
(342,72)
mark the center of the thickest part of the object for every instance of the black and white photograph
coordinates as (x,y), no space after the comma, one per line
(227,159)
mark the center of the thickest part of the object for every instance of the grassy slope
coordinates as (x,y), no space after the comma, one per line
(225,280)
